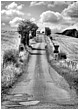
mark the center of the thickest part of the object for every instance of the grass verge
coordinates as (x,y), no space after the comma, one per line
(11,70)
(70,75)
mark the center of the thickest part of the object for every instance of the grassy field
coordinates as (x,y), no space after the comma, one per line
(9,40)
(67,44)
(67,68)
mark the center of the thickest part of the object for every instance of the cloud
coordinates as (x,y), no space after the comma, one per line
(54,27)
(34,3)
(2,4)
(48,3)
(14,5)
(71,10)
(72,27)
(3,24)
(56,21)
(32,19)
(53,4)
(28,14)
(14,22)
(12,9)
(11,12)
(5,19)
(57,18)
(50,16)
(56,3)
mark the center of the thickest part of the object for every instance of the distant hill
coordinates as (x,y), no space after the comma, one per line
(70,32)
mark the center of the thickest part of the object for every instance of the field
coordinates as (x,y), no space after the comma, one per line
(67,68)
(67,44)
(10,72)
(9,40)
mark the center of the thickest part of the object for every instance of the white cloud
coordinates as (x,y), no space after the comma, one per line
(32,19)
(59,3)
(75,26)
(34,3)
(50,16)
(12,9)
(20,7)
(3,24)
(14,5)
(71,10)
(28,14)
(56,29)
(57,18)
(59,21)
(14,22)
(50,4)
(56,21)
(56,3)
(11,12)
(2,4)
(5,19)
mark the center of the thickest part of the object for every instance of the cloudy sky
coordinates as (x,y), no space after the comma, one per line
(57,15)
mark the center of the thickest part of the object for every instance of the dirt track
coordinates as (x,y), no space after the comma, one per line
(40,86)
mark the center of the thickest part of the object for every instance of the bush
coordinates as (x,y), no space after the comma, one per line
(9,75)
(10,56)
(62,55)
(47,31)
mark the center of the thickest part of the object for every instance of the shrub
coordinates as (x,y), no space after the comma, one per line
(12,70)
(47,31)
(51,38)
(62,55)
(9,74)
(10,56)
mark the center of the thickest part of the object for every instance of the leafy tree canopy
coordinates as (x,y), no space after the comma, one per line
(25,26)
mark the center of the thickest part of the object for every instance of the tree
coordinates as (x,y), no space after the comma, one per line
(34,28)
(25,26)
(23,29)
(47,31)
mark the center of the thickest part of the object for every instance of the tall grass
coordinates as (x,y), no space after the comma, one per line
(10,56)
(68,64)
(9,75)
(11,69)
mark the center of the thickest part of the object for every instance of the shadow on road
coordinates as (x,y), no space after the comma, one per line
(35,53)
(37,49)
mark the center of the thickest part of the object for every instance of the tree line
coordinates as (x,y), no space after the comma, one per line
(26,27)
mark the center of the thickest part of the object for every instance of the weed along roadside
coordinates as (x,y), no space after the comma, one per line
(12,70)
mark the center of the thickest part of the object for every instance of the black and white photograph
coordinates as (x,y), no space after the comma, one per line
(39,54)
